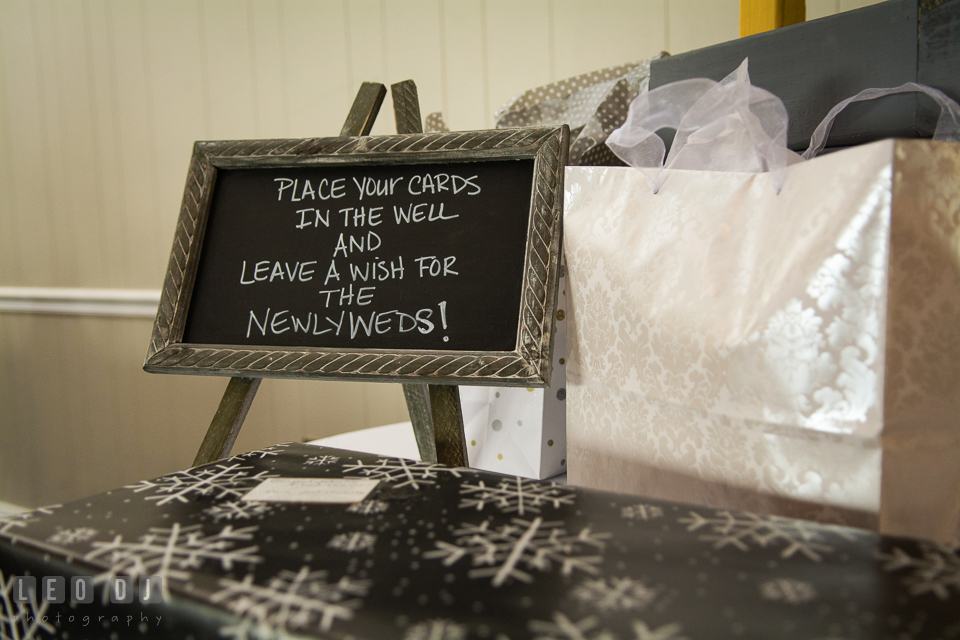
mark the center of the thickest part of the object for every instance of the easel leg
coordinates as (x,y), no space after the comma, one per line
(437,423)
(229,418)
(448,425)
(418,405)
(364,111)
(406,107)
(434,409)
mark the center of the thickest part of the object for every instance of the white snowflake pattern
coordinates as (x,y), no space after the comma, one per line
(936,570)
(368,507)
(787,590)
(18,521)
(238,510)
(319,461)
(172,553)
(436,630)
(220,481)
(403,473)
(515,550)
(642,512)
(10,524)
(72,536)
(741,529)
(21,620)
(265,452)
(614,594)
(352,541)
(667,632)
(515,495)
(563,628)
(290,600)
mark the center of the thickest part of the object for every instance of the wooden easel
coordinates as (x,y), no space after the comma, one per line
(434,409)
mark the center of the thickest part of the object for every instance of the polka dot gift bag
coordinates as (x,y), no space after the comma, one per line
(767,333)
(521,431)
(591,104)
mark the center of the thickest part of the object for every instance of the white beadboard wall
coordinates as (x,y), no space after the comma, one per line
(100,102)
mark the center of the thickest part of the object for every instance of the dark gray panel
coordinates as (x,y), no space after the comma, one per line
(814,65)
(938,60)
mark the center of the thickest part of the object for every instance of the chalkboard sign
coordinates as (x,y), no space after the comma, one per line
(411,258)
(401,257)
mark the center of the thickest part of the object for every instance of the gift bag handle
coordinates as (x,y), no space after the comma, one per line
(948,125)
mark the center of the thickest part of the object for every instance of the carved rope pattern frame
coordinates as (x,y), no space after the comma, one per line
(529,364)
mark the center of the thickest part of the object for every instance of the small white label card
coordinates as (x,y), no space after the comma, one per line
(320,490)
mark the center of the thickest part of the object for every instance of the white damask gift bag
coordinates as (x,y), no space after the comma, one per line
(795,353)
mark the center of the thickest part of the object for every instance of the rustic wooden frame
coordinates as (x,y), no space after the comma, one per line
(529,364)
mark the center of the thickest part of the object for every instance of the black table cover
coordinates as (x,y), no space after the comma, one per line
(437,553)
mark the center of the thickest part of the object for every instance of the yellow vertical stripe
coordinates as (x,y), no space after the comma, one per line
(757,16)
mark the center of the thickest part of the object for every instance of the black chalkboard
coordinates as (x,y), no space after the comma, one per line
(431,257)
(428,256)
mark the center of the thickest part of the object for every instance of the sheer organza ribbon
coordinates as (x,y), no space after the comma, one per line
(729,125)
(948,124)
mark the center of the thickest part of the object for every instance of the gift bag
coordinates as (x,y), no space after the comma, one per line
(785,341)
(521,431)
(591,104)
